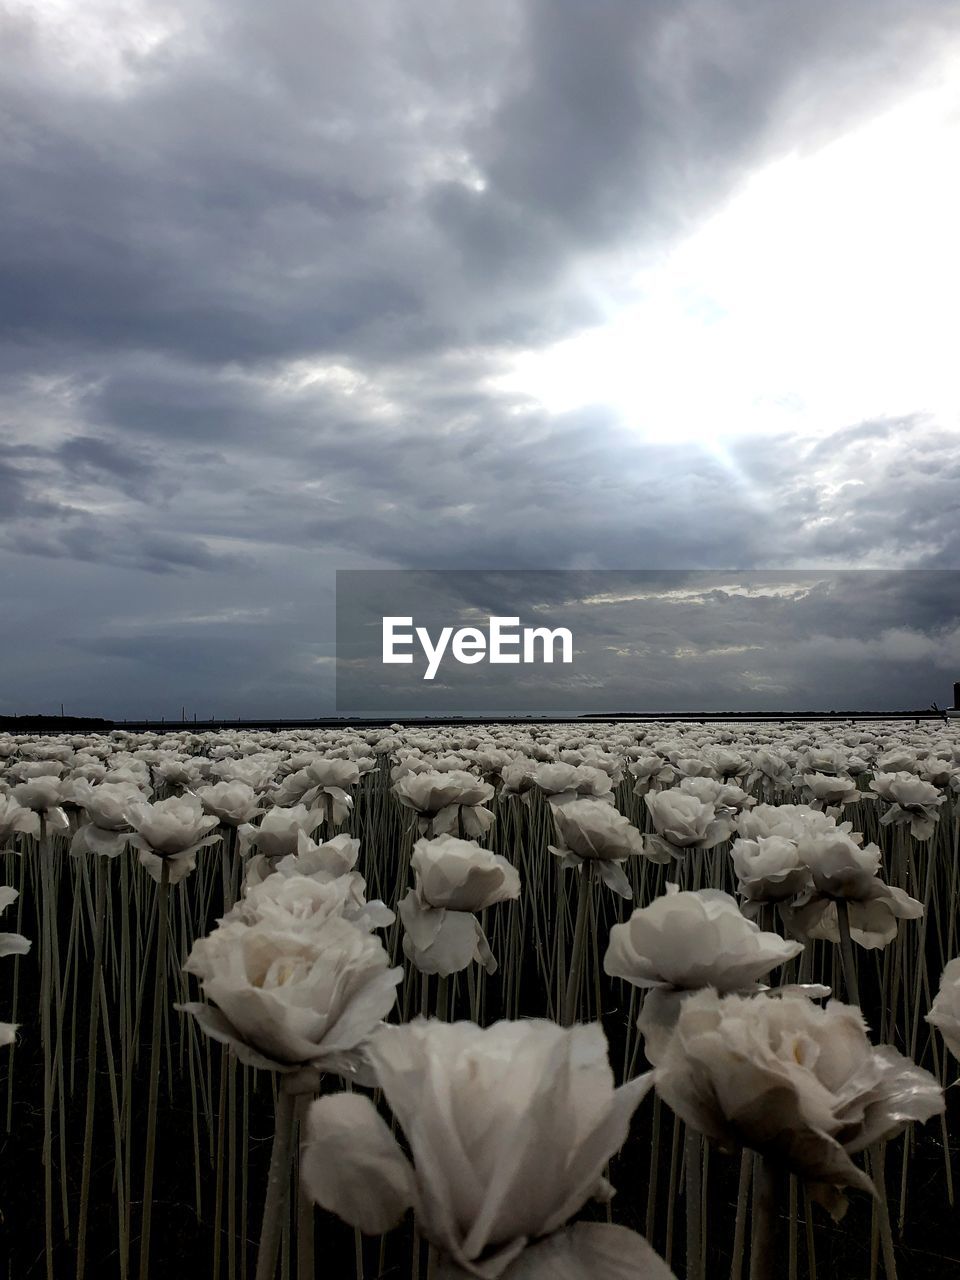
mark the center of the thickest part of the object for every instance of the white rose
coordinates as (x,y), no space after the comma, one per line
(324,782)
(769,767)
(823,760)
(899,760)
(139,777)
(454,878)
(912,802)
(43,796)
(722,795)
(682,942)
(593,831)
(561,783)
(694,939)
(829,790)
(16,818)
(279,830)
(682,822)
(648,771)
(528,1120)
(430,792)
(293,788)
(445,802)
(839,866)
(801,1084)
(287,999)
(329,861)
(695,767)
(945,1010)
(769,869)
(11,944)
(461,875)
(332,772)
(256,773)
(176,772)
(233,802)
(517,778)
(286,898)
(792,821)
(169,827)
(727,762)
(26,769)
(336,856)
(105,804)
(170,831)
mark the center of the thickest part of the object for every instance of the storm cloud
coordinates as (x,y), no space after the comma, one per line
(267,276)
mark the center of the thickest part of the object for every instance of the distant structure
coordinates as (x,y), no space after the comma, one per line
(956,695)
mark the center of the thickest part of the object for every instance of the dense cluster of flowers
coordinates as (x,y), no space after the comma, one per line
(455,928)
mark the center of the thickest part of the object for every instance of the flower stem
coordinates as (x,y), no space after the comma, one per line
(100,871)
(877,1159)
(221,1165)
(278,1186)
(159,988)
(691,1144)
(306,1267)
(739,1230)
(45,855)
(846,953)
(572,995)
(23,861)
(764,1221)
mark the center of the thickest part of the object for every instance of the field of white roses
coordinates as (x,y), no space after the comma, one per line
(413,1002)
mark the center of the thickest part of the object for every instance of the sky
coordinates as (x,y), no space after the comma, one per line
(654,641)
(532,284)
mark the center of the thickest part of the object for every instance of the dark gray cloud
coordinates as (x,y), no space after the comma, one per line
(657,641)
(305,183)
(260,270)
(17,492)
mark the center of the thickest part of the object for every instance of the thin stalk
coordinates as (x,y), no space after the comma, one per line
(739,1230)
(811,1238)
(764,1221)
(100,872)
(23,860)
(572,993)
(653,1176)
(792,1255)
(691,1151)
(877,1161)
(159,989)
(305,1211)
(846,953)
(278,1186)
(221,1165)
(46,1031)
